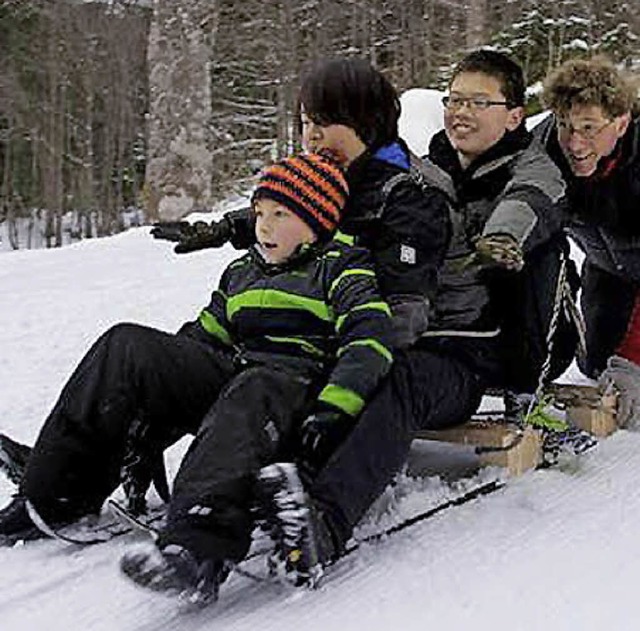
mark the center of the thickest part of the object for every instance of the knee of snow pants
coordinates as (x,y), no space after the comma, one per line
(426,390)
(213,496)
(130,373)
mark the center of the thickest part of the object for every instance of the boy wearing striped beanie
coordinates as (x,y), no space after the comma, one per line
(303,338)
(297,201)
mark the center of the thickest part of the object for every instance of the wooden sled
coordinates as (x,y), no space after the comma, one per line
(518,450)
(497,443)
(588,408)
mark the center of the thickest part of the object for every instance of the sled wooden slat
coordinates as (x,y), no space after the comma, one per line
(588,408)
(517,451)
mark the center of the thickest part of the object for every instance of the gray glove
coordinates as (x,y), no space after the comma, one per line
(495,251)
(499,250)
(624,376)
(410,319)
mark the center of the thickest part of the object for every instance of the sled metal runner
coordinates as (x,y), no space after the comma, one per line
(84,534)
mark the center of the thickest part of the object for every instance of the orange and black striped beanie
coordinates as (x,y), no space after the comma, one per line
(311,185)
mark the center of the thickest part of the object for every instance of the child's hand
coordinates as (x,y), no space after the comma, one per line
(320,435)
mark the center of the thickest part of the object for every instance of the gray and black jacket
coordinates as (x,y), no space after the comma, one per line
(512,189)
(604,208)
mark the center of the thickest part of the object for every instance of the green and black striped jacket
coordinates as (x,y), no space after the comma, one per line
(320,314)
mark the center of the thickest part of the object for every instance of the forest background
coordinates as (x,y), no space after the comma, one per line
(109,108)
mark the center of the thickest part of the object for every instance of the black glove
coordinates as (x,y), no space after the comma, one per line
(193,236)
(320,435)
(170,230)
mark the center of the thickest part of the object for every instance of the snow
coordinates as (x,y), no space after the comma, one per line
(421,117)
(555,549)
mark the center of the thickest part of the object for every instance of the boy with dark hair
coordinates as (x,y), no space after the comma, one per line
(595,140)
(505,195)
(350,92)
(350,109)
(296,327)
(502,68)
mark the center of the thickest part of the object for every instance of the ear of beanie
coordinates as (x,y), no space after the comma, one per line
(312,186)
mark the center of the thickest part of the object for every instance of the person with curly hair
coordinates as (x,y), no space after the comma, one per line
(593,136)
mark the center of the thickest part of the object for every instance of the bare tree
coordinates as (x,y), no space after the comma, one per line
(84,84)
(476,23)
(179,161)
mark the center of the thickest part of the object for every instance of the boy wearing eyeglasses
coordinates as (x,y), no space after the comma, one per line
(507,197)
(594,139)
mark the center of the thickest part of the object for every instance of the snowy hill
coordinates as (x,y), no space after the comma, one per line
(555,550)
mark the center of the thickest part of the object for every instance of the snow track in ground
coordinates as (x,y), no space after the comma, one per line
(555,549)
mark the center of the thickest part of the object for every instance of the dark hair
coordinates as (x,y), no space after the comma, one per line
(499,66)
(351,92)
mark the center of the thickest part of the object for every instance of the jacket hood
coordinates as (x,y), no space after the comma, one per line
(395,153)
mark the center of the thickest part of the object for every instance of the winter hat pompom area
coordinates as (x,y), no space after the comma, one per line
(310,185)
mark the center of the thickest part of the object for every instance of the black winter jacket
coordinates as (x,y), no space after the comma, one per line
(604,208)
(407,232)
(318,315)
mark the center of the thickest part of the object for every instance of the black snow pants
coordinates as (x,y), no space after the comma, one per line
(607,302)
(428,388)
(132,373)
(249,426)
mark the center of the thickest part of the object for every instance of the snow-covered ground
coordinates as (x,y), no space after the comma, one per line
(555,550)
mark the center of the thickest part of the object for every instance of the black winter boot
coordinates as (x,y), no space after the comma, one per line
(571,441)
(13,458)
(15,523)
(173,570)
(303,543)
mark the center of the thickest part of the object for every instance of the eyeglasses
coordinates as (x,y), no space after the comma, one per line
(474,103)
(586,131)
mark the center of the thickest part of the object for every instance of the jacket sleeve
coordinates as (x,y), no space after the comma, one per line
(417,222)
(531,207)
(212,324)
(363,331)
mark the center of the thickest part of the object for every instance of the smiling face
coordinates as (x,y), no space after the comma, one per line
(472,130)
(586,134)
(279,231)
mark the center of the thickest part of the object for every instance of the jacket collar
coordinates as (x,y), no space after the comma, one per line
(302,255)
(395,154)
(443,154)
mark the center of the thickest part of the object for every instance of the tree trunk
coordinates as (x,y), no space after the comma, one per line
(476,24)
(179,166)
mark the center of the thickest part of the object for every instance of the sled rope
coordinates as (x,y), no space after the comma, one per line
(535,414)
